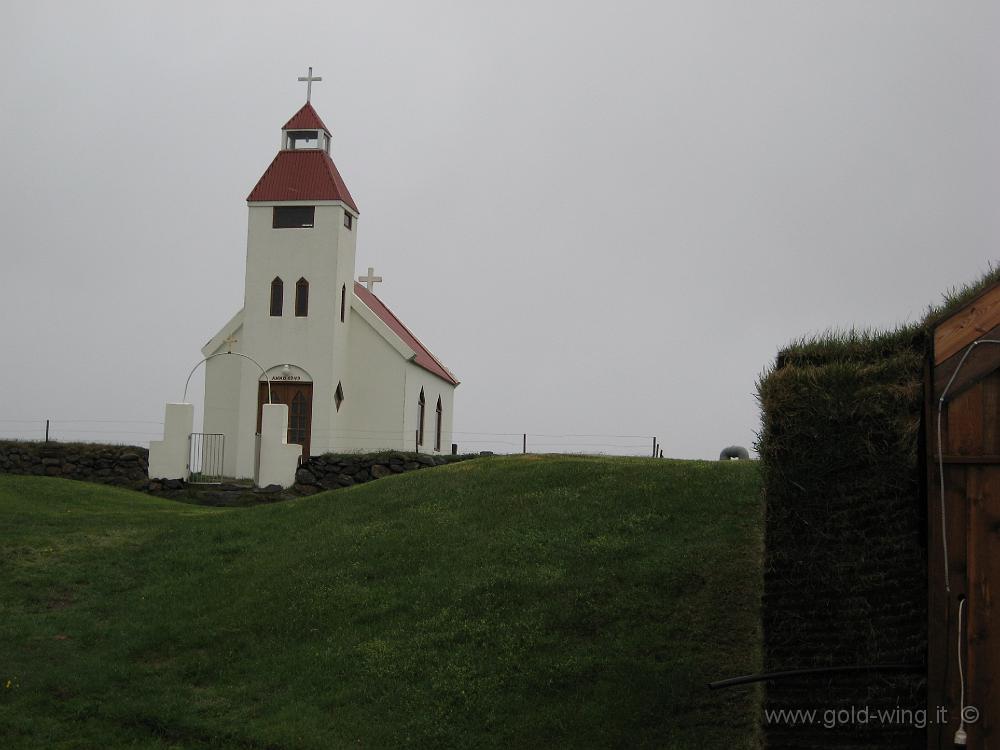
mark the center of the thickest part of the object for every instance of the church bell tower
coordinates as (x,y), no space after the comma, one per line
(353,376)
(299,282)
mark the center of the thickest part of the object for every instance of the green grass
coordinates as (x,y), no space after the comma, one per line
(498,602)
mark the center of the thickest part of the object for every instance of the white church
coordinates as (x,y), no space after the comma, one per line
(354,377)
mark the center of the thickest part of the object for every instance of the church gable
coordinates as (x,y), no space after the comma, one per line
(305,119)
(392,329)
(379,328)
(232,329)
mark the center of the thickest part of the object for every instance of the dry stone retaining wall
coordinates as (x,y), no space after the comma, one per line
(127,466)
(332,471)
(119,465)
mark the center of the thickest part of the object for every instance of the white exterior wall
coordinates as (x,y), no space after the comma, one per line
(168,458)
(222,380)
(374,393)
(383,396)
(416,378)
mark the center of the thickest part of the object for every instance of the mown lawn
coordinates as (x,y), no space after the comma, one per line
(501,602)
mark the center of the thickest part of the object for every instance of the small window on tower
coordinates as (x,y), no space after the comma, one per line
(348,220)
(338,396)
(277,296)
(343,301)
(301,298)
(293,217)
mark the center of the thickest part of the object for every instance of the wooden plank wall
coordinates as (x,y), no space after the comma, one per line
(971,449)
(972,322)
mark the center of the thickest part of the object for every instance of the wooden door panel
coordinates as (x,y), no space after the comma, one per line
(300,416)
(991,414)
(965,423)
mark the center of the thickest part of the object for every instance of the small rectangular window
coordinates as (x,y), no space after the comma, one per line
(293,217)
(348,220)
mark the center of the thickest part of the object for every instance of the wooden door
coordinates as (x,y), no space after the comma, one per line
(298,398)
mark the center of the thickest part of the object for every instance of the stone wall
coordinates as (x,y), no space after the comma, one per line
(119,465)
(332,471)
(127,466)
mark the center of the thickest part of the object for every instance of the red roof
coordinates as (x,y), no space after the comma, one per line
(305,119)
(424,358)
(306,175)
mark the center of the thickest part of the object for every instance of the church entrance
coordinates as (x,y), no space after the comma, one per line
(298,398)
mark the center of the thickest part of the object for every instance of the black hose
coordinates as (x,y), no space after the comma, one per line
(747,679)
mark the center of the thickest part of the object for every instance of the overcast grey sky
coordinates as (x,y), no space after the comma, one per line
(603,217)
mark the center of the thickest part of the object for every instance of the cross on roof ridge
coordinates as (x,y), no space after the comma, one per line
(309,78)
(370,280)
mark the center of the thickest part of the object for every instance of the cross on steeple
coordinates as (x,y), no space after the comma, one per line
(229,343)
(309,82)
(370,280)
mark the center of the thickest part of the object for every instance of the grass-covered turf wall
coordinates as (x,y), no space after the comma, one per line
(845,579)
(499,602)
(845,565)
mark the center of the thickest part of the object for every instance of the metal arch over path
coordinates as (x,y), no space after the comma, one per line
(222,354)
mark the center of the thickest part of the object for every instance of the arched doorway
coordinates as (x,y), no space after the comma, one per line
(291,386)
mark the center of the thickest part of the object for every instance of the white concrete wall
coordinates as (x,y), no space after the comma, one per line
(168,458)
(222,390)
(417,378)
(278,459)
(371,418)
(384,389)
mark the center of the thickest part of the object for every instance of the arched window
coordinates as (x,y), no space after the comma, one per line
(420,418)
(343,301)
(277,296)
(437,426)
(301,298)
(338,396)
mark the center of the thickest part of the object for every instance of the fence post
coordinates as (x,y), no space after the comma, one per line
(654,447)
(524,443)
(46,430)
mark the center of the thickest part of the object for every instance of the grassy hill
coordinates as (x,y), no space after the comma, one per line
(501,602)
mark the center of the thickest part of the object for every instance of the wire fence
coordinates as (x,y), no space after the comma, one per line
(124,431)
(533,442)
(141,432)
